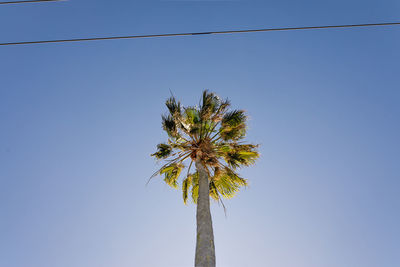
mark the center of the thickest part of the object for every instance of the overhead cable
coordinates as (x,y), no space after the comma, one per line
(199,33)
(28,1)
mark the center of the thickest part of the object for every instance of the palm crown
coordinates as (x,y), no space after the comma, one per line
(210,134)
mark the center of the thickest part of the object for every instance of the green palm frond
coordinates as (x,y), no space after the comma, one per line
(195,187)
(236,155)
(233,125)
(193,120)
(235,178)
(173,107)
(210,104)
(234,118)
(207,126)
(233,133)
(228,183)
(169,125)
(192,116)
(186,184)
(217,116)
(163,151)
(214,191)
(171,173)
(180,144)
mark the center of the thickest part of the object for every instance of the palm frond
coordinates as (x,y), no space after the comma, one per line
(236,155)
(233,126)
(169,126)
(216,195)
(236,159)
(191,115)
(173,107)
(235,178)
(213,191)
(227,182)
(195,187)
(233,133)
(163,151)
(186,184)
(207,127)
(171,173)
(223,106)
(210,104)
(234,118)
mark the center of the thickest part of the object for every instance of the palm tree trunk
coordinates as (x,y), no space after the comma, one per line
(205,250)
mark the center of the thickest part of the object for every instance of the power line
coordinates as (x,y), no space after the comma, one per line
(199,33)
(28,1)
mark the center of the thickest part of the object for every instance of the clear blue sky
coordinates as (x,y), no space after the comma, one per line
(79,121)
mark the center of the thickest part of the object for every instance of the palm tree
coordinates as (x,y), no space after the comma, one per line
(211,137)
